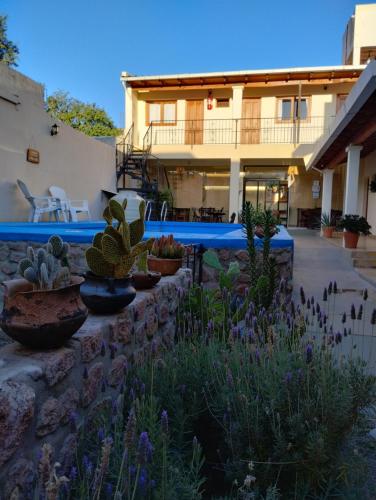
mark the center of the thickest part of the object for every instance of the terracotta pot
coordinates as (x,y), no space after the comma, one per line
(42,319)
(107,295)
(144,281)
(350,239)
(167,267)
(327,232)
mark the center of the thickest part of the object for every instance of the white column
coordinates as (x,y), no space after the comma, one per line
(352,180)
(327,188)
(235,199)
(128,106)
(237,101)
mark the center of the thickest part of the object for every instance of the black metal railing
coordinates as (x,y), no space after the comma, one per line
(236,131)
(193,260)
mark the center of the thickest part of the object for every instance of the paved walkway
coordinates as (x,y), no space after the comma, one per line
(316,263)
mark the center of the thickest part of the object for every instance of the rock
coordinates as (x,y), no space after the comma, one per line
(69,402)
(67,454)
(242,255)
(90,339)
(49,417)
(116,373)
(58,364)
(372,433)
(92,384)
(16,414)
(123,330)
(163,313)
(21,475)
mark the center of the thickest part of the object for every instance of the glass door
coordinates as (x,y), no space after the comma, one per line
(269,194)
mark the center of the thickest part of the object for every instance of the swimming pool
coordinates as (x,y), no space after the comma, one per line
(210,235)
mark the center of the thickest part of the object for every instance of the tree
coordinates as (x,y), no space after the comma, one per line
(88,118)
(8,50)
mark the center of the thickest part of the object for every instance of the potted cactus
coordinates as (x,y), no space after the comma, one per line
(43,309)
(166,255)
(108,286)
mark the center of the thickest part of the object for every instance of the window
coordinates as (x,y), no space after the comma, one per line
(223,102)
(288,108)
(161,113)
(341,98)
(367,54)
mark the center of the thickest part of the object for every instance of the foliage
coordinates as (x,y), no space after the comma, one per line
(262,408)
(354,224)
(88,118)
(8,50)
(166,247)
(263,278)
(226,278)
(47,268)
(327,220)
(166,195)
(114,250)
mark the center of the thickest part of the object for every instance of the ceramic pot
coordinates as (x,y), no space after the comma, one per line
(144,281)
(327,232)
(107,295)
(350,239)
(42,319)
(167,267)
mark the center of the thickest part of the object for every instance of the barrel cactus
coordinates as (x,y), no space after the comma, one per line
(114,251)
(46,268)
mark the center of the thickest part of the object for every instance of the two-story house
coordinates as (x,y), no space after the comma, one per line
(224,138)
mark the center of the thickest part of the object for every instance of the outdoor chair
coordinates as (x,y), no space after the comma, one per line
(70,207)
(41,204)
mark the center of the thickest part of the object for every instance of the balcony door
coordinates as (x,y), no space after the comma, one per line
(194,124)
(250,123)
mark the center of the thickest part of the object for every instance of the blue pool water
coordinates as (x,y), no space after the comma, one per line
(208,234)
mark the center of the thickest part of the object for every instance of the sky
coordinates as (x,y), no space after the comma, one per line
(82,46)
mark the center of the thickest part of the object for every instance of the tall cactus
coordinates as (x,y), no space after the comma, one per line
(46,268)
(115,250)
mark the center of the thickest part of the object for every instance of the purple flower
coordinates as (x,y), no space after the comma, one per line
(309,353)
(88,466)
(325,295)
(344,318)
(164,422)
(353,312)
(330,288)
(85,374)
(101,434)
(73,474)
(365,294)
(145,449)
(373,317)
(109,489)
(288,377)
(103,349)
(360,312)
(338,338)
(302,296)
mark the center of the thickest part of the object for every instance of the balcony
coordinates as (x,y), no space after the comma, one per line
(236,131)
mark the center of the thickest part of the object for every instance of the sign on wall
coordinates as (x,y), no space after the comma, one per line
(32,156)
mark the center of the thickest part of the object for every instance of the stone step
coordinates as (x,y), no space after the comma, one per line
(361,254)
(365,262)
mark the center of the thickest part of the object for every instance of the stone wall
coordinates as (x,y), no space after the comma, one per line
(45,396)
(283,258)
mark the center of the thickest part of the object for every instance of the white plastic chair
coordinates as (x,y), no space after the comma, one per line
(70,207)
(41,204)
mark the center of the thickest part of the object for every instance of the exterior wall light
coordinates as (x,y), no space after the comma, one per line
(210,100)
(54,129)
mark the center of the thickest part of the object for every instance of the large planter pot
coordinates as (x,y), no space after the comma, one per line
(167,267)
(107,295)
(144,281)
(42,319)
(327,232)
(350,239)
(259,232)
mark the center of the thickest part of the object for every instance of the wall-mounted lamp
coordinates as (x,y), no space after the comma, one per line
(210,100)
(54,129)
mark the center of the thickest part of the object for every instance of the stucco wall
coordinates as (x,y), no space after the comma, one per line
(79,164)
(367,200)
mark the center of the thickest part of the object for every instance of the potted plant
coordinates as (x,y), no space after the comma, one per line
(327,225)
(144,279)
(263,219)
(108,286)
(353,226)
(166,256)
(43,309)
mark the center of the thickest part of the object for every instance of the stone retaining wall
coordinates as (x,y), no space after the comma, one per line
(283,258)
(45,396)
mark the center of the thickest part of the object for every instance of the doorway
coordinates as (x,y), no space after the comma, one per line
(194,124)
(250,123)
(268,194)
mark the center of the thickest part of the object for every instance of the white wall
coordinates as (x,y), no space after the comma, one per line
(79,164)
